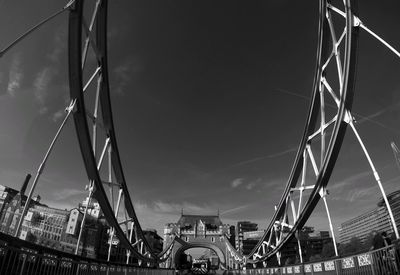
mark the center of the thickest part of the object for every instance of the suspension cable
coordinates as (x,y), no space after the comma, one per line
(16,41)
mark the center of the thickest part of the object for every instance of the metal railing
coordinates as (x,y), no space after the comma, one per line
(18,257)
(384,261)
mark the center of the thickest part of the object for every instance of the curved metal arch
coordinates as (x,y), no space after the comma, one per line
(233,252)
(108,123)
(163,255)
(330,152)
(76,66)
(329,157)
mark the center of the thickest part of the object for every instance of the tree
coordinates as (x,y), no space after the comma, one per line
(30,237)
(36,219)
(289,261)
(368,241)
(354,246)
(305,232)
(328,251)
(315,258)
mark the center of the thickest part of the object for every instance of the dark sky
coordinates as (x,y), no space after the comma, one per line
(210,100)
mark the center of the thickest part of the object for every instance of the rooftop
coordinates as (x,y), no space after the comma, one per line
(193,219)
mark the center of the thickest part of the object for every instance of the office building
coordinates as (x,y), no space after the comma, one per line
(375,219)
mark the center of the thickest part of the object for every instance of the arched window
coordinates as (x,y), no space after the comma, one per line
(213,239)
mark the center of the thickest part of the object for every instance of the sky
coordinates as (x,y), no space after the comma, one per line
(209,102)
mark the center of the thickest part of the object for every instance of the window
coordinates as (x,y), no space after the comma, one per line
(187,239)
(212,239)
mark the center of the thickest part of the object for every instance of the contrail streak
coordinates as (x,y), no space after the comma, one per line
(363,118)
(235,209)
(293,149)
(284,152)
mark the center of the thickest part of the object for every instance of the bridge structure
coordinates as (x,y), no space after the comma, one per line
(91,110)
(199,231)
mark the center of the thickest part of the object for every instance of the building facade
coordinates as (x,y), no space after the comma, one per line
(6,195)
(93,208)
(197,231)
(12,211)
(44,225)
(250,240)
(375,219)
(52,227)
(247,245)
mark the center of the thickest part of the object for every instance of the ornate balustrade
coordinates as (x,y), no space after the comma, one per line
(22,257)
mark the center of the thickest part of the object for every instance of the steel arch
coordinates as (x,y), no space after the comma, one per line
(88,141)
(95,37)
(329,153)
(268,246)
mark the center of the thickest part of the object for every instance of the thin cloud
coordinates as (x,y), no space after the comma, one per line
(41,83)
(370,117)
(159,213)
(292,93)
(237,182)
(236,209)
(278,182)
(150,218)
(43,110)
(253,160)
(125,72)
(1,77)
(274,155)
(357,194)
(165,207)
(363,118)
(15,75)
(353,179)
(361,192)
(294,149)
(259,182)
(58,115)
(251,185)
(60,45)
(65,193)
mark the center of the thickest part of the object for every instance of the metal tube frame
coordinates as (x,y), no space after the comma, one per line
(95,40)
(69,110)
(345,67)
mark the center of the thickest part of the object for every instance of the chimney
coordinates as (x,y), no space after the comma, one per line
(36,198)
(25,184)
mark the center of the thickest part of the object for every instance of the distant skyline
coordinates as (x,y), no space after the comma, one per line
(209,102)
